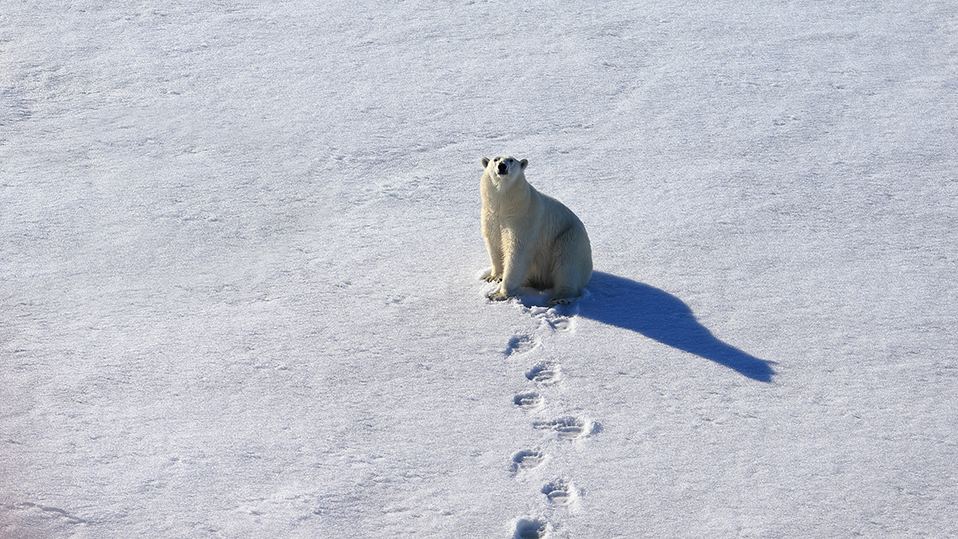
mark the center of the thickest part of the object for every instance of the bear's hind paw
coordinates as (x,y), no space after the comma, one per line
(565,300)
(498,296)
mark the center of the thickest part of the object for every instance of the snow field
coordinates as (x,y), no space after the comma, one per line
(239,245)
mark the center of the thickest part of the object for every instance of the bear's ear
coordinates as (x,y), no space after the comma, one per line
(523,163)
(485,161)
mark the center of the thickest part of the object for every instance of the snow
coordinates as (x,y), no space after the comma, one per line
(239,259)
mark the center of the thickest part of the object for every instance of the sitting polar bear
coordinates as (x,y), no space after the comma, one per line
(533,240)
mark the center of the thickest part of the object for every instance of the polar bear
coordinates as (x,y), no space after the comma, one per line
(533,240)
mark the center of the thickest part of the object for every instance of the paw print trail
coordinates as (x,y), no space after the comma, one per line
(544,381)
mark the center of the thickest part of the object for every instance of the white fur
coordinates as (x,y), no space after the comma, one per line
(533,240)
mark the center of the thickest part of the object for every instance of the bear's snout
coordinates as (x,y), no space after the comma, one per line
(503,168)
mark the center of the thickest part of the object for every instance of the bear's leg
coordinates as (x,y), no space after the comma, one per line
(572,267)
(495,256)
(515,267)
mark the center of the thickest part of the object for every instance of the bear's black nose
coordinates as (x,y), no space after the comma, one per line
(503,168)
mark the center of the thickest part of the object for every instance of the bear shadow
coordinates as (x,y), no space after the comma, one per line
(660,316)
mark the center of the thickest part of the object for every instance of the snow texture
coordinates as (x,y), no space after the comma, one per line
(240,249)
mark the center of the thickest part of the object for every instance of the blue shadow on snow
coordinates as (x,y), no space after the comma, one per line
(665,318)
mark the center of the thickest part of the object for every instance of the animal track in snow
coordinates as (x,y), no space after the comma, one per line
(568,427)
(531,529)
(520,344)
(560,323)
(560,492)
(529,400)
(544,373)
(526,460)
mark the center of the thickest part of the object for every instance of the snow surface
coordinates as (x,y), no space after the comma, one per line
(239,249)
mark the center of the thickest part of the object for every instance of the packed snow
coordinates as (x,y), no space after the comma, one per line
(240,260)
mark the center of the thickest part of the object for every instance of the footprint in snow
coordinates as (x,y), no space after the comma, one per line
(569,427)
(560,492)
(544,373)
(529,400)
(560,323)
(520,344)
(531,529)
(526,459)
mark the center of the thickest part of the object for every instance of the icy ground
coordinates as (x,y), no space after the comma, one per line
(239,249)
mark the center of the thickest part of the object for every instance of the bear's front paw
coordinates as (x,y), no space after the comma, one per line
(490,276)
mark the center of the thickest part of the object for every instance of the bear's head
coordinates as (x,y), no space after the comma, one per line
(504,169)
